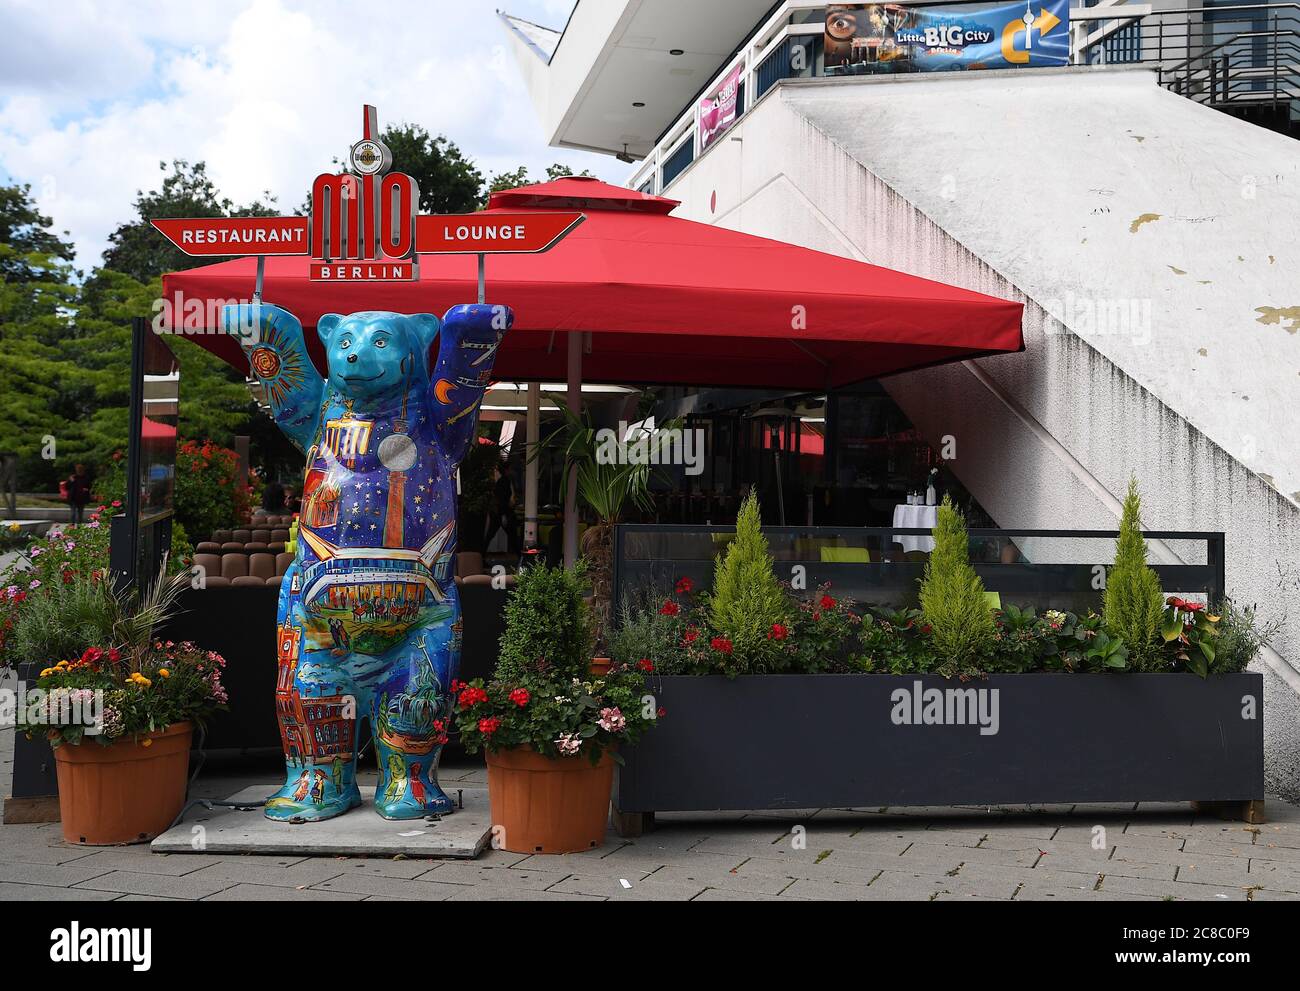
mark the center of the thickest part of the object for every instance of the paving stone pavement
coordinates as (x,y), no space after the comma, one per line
(1063,853)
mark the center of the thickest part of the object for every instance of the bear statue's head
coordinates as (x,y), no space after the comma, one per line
(375,353)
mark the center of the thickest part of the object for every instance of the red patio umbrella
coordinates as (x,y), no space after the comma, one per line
(665,301)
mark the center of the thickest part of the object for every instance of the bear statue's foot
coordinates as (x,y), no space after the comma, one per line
(435,803)
(283,807)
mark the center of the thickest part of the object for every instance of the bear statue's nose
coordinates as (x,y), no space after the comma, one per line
(352,359)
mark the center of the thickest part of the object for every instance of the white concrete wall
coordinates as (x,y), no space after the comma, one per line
(1031,195)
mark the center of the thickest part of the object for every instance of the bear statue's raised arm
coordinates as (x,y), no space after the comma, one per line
(277,355)
(467,350)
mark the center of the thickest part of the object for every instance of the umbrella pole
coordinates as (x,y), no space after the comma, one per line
(530,468)
(571,489)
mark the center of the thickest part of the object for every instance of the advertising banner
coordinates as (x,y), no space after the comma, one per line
(718,109)
(886,37)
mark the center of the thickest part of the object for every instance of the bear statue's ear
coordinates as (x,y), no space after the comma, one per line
(326,325)
(426,327)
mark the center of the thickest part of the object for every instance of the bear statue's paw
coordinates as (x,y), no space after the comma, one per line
(435,803)
(283,807)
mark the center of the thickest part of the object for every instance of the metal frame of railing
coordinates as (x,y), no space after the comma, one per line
(1195,52)
(1037,583)
(1227,56)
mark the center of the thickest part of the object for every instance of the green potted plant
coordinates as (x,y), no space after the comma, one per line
(118,706)
(549,725)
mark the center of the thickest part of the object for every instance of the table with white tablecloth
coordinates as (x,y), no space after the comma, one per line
(915,517)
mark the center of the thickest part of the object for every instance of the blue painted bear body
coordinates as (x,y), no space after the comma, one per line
(368,622)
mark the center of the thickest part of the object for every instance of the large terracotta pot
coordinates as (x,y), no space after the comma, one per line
(126,792)
(548,804)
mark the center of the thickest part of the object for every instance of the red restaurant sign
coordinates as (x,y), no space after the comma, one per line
(364,225)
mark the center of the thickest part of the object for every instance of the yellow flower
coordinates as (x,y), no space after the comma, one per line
(164,673)
(47,672)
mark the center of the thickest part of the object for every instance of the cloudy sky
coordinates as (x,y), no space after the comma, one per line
(95,93)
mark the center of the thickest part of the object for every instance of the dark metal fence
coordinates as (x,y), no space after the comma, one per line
(1047,569)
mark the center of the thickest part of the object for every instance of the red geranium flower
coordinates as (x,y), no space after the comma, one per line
(669,608)
(489,726)
(721,644)
(661,712)
(645,664)
(778,632)
(471,696)
(1193,606)
(92,655)
(827,602)
(691,635)
(684,586)
(520,697)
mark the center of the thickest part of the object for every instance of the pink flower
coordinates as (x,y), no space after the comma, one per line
(612,720)
(568,744)
(36,583)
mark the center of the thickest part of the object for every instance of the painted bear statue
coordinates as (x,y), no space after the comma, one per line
(368,622)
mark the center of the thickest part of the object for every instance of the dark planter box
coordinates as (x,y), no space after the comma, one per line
(34,793)
(815,741)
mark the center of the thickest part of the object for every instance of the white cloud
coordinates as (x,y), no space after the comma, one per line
(266,92)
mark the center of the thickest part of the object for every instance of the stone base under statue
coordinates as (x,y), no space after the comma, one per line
(360,833)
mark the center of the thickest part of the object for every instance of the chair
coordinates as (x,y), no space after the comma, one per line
(216,581)
(220,536)
(275,546)
(846,555)
(247,581)
(994,599)
(280,533)
(256,547)
(207,547)
(260,536)
(282,562)
(480,579)
(210,563)
(232,547)
(241,536)
(234,566)
(469,563)
(261,566)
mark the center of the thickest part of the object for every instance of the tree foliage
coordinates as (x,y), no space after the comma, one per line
(747,600)
(953,601)
(1134,603)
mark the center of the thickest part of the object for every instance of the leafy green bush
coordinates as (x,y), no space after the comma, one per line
(952,596)
(208,493)
(747,600)
(1134,604)
(548,626)
(1241,636)
(653,628)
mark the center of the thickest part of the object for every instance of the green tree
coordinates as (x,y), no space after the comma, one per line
(514,178)
(36,295)
(136,249)
(449,182)
(1134,603)
(747,599)
(952,596)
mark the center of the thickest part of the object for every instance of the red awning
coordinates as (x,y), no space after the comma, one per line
(666,301)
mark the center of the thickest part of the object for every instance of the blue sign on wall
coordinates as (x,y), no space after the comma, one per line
(866,38)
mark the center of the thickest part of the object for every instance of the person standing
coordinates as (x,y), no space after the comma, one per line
(78,486)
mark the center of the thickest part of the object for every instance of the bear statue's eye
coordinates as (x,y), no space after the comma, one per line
(345,344)
(381,342)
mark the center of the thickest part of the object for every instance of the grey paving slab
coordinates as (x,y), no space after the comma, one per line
(223,830)
(392,887)
(628,889)
(42,893)
(267,893)
(499,894)
(752,883)
(128,883)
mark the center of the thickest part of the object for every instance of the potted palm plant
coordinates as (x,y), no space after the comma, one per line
(118,706)
(549,724)
(607,485)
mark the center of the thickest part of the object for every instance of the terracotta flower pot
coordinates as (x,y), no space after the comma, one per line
(548,804)
(600,666)
(126,792)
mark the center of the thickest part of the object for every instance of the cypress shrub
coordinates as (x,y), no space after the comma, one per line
(1134,603)
(747,599)
(952,596)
